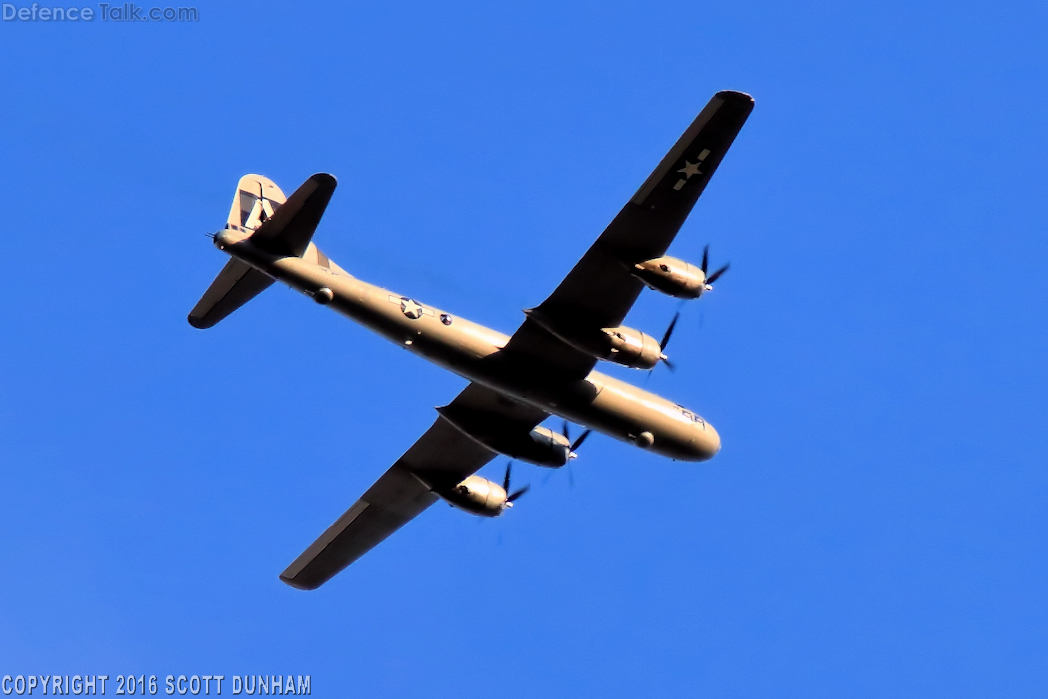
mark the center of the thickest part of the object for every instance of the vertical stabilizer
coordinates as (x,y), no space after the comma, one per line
(256,200)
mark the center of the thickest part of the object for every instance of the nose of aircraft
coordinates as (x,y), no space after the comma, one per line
(706,442)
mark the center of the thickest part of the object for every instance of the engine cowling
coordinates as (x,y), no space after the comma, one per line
(671,276)
(548,448)
(632,348)
(476,495)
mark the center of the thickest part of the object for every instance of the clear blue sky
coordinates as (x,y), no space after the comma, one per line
(875,525)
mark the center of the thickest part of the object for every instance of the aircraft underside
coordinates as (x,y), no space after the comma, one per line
(546,367)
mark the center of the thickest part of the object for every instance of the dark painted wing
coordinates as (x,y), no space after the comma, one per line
(600,290)
(398,496)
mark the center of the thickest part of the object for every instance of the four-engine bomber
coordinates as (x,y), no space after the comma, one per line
(545,368)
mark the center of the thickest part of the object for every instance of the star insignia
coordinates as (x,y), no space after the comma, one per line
(690,169)
(412,309)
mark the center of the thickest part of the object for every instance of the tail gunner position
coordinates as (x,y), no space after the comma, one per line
(545,368)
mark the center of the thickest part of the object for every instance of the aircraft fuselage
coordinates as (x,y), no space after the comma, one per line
(600,402)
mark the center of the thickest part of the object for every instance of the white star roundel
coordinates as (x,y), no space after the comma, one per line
(412,309)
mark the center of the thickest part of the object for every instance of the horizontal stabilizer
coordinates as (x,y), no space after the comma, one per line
(288,231)
(235,285)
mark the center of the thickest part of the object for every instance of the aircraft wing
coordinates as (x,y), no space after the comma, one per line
(600,290)
(398,496)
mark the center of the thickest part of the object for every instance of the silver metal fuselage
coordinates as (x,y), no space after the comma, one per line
(603,403)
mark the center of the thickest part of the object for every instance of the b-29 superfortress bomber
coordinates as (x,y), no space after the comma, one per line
(544,368)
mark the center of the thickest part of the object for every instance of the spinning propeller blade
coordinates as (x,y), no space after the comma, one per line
(578,442)
(571,450)
(710,278)
(505,486)
(716,275)
(665,341)
(669,332)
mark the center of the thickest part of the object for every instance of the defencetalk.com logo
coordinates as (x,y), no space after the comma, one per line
(106,12)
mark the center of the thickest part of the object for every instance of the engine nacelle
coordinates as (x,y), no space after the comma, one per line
(621,345)
(548,448)
(476,495)
(671,276)
(632,348)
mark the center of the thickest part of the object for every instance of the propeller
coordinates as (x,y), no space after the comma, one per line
(571,450)
(505,486)
(577,443)
(710,278)
(666,340)
(662,347)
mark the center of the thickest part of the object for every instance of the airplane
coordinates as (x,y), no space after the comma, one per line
(544,368)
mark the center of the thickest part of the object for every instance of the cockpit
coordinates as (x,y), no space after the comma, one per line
(690,415)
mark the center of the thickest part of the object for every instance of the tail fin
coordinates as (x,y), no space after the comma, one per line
(255,211)
(254,203)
